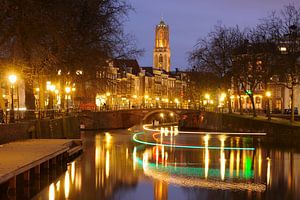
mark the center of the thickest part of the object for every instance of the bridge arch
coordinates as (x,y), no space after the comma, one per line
(156,111)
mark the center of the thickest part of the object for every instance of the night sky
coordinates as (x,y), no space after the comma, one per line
(191,19)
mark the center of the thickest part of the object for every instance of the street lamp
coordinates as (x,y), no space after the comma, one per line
(39,101)
(177,102)
(68,90)
(146,100)
(172,116)
(12,79)
(268,95)
(51,89)
(156,101)
(162,117)
(222,101)
(207,99)
(207,96)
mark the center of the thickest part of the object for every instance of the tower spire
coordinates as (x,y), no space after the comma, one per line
(162,53)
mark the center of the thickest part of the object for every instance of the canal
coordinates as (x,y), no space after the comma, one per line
(167,164)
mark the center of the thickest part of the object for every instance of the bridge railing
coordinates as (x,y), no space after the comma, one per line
(116,108)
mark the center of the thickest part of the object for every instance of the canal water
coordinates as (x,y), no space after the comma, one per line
(167,164)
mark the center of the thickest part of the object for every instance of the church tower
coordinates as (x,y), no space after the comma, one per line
(162,53)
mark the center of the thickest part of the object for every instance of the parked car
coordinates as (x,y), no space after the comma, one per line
(288,111)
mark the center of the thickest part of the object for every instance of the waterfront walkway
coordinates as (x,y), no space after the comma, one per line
(21,156)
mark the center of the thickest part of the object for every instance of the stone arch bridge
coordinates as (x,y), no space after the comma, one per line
(127,118)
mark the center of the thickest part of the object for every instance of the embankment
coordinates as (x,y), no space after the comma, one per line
(67,127)
(277,130)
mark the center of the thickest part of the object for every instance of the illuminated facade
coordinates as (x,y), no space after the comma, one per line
(162,52)
(123,84)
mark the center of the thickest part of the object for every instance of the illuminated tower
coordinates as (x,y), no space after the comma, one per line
(162,53)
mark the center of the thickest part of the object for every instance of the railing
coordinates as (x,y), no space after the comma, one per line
(134,107)
(26,115)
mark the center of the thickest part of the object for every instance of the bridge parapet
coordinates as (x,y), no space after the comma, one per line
(118,119)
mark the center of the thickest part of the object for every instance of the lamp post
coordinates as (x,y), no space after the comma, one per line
(51,90)
(268,95)
(222,101)
(156,101)
(207,97)
(172,116)
(146,99)
(39,102)
(12,79)
(162,117)
(177,102)
(68,90)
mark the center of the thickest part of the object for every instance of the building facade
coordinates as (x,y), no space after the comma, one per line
(123,84)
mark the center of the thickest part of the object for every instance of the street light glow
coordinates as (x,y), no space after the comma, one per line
(207,96)
(68,90)
(12,78)
(268,94)
(283,49)
(52,88)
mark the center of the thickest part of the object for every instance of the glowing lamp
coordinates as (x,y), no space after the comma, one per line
(12,78)
(68,90)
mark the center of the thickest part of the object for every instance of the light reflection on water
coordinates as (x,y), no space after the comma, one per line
(114,167)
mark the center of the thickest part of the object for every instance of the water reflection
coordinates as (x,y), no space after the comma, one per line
(67,184)
(206,138)
(114,167)
(51,192)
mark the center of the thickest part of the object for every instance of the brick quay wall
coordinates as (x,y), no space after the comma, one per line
(277,130)
(66,127)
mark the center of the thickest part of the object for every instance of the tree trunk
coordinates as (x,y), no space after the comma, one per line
(29,99)
(229,103)
(253,105)
(240,101)
(63,94)
(292,105)
(241,106)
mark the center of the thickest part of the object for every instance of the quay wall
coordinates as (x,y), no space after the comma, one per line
(111,119)
(67,127)
(276,130)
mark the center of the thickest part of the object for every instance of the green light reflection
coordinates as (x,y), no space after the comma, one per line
(196,171)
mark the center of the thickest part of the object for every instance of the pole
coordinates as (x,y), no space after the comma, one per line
(12,111)
(51,107)
(39,104)
(269,110)
(292,105)
(67,104)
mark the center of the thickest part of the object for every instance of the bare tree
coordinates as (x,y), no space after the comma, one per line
(42,37)
(283,28)
(215,54)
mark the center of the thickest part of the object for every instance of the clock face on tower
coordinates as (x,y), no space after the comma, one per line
(162,53)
